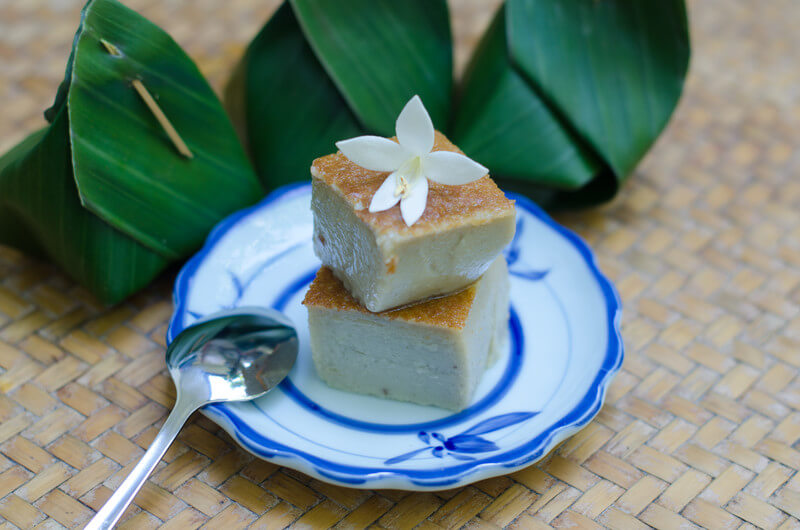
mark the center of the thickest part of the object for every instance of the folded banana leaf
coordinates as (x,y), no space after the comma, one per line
(563,98)
(105,191)
(319,72)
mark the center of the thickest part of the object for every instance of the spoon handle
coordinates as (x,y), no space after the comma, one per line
(112,510)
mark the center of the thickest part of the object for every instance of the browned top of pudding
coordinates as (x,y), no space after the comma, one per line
(478,202)
(450,311)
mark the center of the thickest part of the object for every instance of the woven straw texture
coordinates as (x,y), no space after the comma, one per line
(701,426)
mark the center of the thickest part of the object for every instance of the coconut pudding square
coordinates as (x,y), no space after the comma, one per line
(384,262)
(432,353)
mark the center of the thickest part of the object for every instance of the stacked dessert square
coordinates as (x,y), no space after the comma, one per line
(411,302)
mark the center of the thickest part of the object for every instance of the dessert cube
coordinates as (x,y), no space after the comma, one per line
(386,264)
(433,353)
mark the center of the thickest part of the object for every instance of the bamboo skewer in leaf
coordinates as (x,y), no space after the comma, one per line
(176,139)
(137,84)
(102,190)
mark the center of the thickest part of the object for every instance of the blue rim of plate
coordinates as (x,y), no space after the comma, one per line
(583,412)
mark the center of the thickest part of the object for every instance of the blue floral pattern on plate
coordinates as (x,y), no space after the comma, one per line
(565,347)
(515,265)
(469,442)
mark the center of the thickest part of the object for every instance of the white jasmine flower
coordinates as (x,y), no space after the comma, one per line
(411,162)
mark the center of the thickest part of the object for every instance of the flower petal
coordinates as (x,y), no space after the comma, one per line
(446,167)
(385,198)
(374,153)
(415,128)
(412,206)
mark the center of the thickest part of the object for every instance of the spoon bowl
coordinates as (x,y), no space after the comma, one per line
(234,355)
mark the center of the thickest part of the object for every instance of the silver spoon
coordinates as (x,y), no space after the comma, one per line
(233,355)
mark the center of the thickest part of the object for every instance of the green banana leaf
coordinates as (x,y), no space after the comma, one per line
(562,99)
(41,213)
(102,191)
(319,72)
(497,106)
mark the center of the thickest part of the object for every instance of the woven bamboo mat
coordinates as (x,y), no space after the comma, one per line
(701,427)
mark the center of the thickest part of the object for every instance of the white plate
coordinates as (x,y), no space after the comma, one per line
(565,348)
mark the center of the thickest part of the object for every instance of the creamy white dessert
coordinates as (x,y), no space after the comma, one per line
(386,264)
(433,353)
